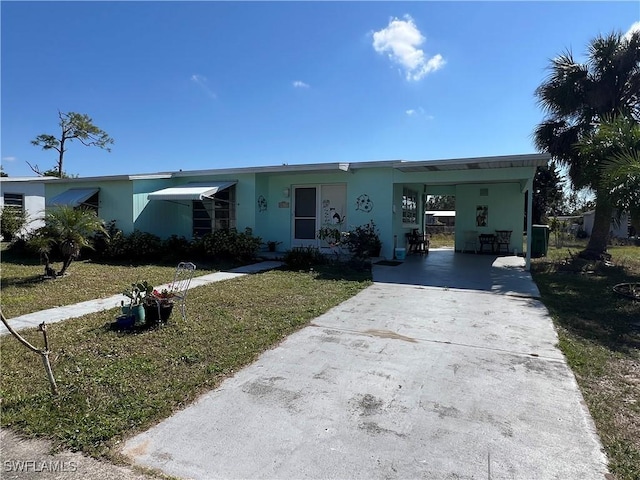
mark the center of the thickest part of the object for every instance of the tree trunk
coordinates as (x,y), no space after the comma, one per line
(634,215)
(49,271)
(67,261)
(70,250)
(600,234)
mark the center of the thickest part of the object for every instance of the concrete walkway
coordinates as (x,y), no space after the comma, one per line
(57,314)
(446,370)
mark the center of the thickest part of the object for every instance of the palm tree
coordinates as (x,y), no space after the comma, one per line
(617,143)
(576,98)
(70,228)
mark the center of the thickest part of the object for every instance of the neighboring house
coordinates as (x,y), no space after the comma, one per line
(570,224)
(619,226)
(440,217)
(26,194)
(290,203)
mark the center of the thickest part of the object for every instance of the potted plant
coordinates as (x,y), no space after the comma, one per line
(158,305)
(271,245)
(136,294)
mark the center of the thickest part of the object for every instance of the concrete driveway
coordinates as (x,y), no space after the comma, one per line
(404,380)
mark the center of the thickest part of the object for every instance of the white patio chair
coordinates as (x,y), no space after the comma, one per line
(180,285)
(470,240)
(503,239)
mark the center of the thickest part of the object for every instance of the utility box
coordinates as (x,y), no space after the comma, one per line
(539,240)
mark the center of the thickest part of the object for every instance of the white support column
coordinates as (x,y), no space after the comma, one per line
(529,188)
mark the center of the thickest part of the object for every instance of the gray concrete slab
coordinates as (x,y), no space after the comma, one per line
(33,459)
(58,314)
(400,381)
(445,268)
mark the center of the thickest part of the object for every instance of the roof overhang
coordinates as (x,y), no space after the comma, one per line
(508,161)
(191,191)
(74,197)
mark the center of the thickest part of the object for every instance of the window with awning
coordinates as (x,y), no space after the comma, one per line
(212,204)
(191,191)
(77,197)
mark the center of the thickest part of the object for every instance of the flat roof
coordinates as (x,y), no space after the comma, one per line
(505,161)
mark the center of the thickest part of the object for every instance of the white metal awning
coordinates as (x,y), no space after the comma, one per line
(191,191)
(73,197)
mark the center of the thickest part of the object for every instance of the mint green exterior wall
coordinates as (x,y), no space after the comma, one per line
(126,202)
(275,223)
(114,199)
(506,211)
(160,218)
(261,205)
(165,218)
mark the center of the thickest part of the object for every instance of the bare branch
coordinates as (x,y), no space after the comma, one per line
(43,353)
(35,169)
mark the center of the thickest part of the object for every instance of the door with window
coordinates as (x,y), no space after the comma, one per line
(314,207)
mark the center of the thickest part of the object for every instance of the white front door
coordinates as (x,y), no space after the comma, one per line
(316,206)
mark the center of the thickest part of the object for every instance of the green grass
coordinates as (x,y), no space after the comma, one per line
(114,384)
(599,333)
(440,240)
(25,291)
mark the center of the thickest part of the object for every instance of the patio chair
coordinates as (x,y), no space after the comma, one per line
(487,239)
(418,242)
(470,240)
(180,285)
(503,238)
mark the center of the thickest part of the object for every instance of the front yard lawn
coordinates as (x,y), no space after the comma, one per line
(24,290)
(599,333)
(114,384)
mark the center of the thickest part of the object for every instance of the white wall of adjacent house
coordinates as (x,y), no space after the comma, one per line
(618,228)
(32,196)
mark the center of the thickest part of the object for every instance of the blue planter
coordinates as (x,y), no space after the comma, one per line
(125,321)
(137,311)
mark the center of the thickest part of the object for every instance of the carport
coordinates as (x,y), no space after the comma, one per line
(490,196)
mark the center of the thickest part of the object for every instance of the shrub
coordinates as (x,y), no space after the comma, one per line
(176,247)
(12,221)
(363,241)
(303,258)
(143,245)
(103,243)
(230,245)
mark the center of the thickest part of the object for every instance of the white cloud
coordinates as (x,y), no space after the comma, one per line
(414,112)
(400,41)
(203,83)
(300,84)
(634,28)
(9,159)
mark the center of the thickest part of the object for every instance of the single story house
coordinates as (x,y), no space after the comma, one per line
(26,194)
(290,203)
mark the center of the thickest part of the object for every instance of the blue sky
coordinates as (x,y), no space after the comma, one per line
(199,85)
